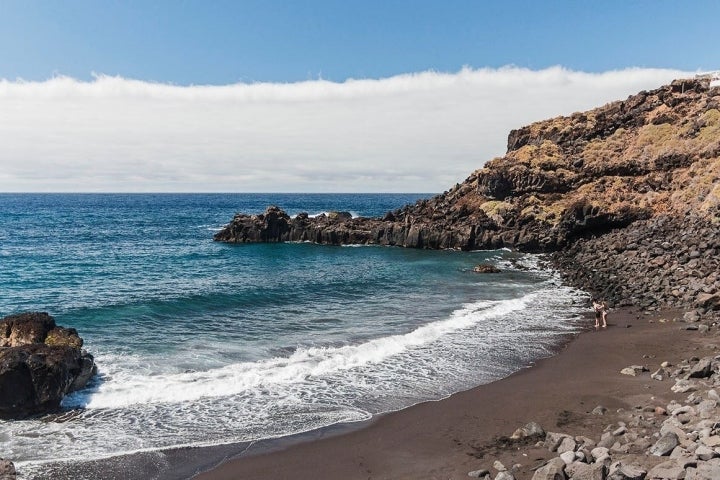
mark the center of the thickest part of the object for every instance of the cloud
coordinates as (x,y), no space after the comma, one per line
(419,132)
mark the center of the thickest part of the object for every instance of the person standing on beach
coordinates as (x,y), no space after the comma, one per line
(600,312)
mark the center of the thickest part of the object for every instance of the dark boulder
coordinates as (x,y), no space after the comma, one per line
(39,364)
(486,268)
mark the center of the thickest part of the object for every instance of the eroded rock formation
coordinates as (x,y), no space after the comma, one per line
(40,363)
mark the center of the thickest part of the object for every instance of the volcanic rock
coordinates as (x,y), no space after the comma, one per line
(485,268)
(39,364)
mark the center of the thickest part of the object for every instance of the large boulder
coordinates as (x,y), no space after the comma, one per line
(39,364)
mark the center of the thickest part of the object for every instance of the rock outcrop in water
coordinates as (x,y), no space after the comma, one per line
(40,363)
(650,160)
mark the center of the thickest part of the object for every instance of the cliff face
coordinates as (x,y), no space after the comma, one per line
(654,157)
(655,153)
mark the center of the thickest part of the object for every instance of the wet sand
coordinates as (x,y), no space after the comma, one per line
(448,438)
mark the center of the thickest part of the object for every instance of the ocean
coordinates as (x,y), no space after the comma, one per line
(201,343)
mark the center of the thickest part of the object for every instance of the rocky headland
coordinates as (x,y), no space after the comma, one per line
(625,196)
(40,362)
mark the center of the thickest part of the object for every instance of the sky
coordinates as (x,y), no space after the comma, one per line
(312,96)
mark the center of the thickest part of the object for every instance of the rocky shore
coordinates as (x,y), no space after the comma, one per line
(667,261)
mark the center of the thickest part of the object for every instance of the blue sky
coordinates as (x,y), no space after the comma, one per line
(220,42)
(312,96)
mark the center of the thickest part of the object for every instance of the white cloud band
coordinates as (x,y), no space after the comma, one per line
(421,132)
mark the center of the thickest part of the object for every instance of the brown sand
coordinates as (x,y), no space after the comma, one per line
(447,439)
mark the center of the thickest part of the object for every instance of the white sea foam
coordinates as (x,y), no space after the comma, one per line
(124,389)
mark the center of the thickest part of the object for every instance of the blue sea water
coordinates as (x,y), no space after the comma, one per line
(203,343)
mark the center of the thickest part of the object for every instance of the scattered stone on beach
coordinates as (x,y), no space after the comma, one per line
(660,374)
(553,440)
(669,470)
(552,470)
(704,453)
(7,470)
(712,394)
(568,457)
(531,429)
(497,465)
(582,471)
(634,370)
(627,472)
(568,444)
(482,473)
(683,386)
(709,470)
(708,300)
(599,410)
(711,441)
(702,369)
(40,363)
(665,445)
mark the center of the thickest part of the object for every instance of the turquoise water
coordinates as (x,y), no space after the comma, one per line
(202,343)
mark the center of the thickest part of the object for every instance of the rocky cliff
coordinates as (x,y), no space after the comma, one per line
(40,363)
(654,157)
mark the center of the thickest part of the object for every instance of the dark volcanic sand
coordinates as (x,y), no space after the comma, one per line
(447,439)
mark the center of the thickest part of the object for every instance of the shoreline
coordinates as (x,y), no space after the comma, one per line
(442,439)
(191,461)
